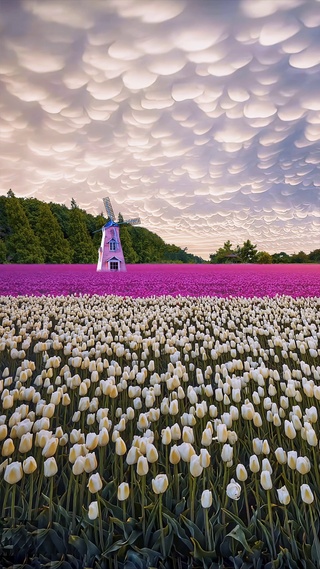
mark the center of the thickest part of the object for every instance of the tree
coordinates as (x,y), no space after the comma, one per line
(73,203)
(80,240)
(47,228)
(248,252)
(23,245)
(281,257)
(120,218)
(314,256)
(264,258)
(3,251)
(225,254)
(126,242)
(300,257)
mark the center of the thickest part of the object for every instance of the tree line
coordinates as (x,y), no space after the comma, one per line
(248,253)
(32,231)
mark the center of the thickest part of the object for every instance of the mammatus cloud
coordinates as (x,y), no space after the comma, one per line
(201,119)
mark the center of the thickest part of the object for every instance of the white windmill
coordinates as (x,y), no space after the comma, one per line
(110,252)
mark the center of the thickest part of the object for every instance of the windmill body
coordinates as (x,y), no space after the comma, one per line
(111,256)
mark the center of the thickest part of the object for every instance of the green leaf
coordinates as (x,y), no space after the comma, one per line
(79,544)
(200,553)
(194,530)
(238,534)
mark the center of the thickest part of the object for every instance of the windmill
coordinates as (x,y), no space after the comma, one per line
(110,251)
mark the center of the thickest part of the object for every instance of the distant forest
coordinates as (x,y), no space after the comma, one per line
(32,231)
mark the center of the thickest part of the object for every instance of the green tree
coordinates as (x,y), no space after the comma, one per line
(248,252)
(74,204)
(314,256)
(126,242)
(120,218)
(47,228)
(23,245)
(225,254)
(281,257)
(3,251)
(300,257)
(62,214)
(80,240)
(264,258)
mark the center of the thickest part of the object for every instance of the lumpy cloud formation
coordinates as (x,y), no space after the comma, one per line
(201,119)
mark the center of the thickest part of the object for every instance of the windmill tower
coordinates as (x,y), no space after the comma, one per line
(110,251)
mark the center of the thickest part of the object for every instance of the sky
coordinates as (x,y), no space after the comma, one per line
(202,117)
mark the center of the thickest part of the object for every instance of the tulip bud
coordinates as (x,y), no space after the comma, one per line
(241,472)
(206,438)
(93,511)
(29,465)
(7,447)
(283,495)
(133,455)
(123,491)
(306,494)
(254,464)
(152,453)
(3,432)
(142,466)
(160,483)
(90,462)
(50,467)
(233,490)
(50,447)
(227,453)
(289,430)
(222,433)
(95,483)
(92,440)
(13,472)
(175,432)
(292,459)
(206,498)
(186,451)
(26,442)
(121,448)
(303,465)
(265,480)
(195,466)
(281,455)
(78,466)
(205,458)
(174,456)
(166,436)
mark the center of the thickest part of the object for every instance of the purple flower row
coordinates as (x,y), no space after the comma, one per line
(158,280)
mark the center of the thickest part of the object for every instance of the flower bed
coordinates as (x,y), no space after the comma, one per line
(160,432)
(158,280)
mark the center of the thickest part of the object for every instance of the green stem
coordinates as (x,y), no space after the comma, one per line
(271,523)
(100,524)
(74,507)
(176,480)
(143,492)
(246,503)
(207,529)
(13,501)
(192,483)
(30,496)
(51,500)
(163,548)
(4,504)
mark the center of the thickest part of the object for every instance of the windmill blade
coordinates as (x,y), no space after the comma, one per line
(109,208)
(97,230)
(134,221)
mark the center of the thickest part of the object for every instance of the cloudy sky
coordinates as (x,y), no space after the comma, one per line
(200,116)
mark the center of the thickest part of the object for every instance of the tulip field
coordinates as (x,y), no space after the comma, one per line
(161,430)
